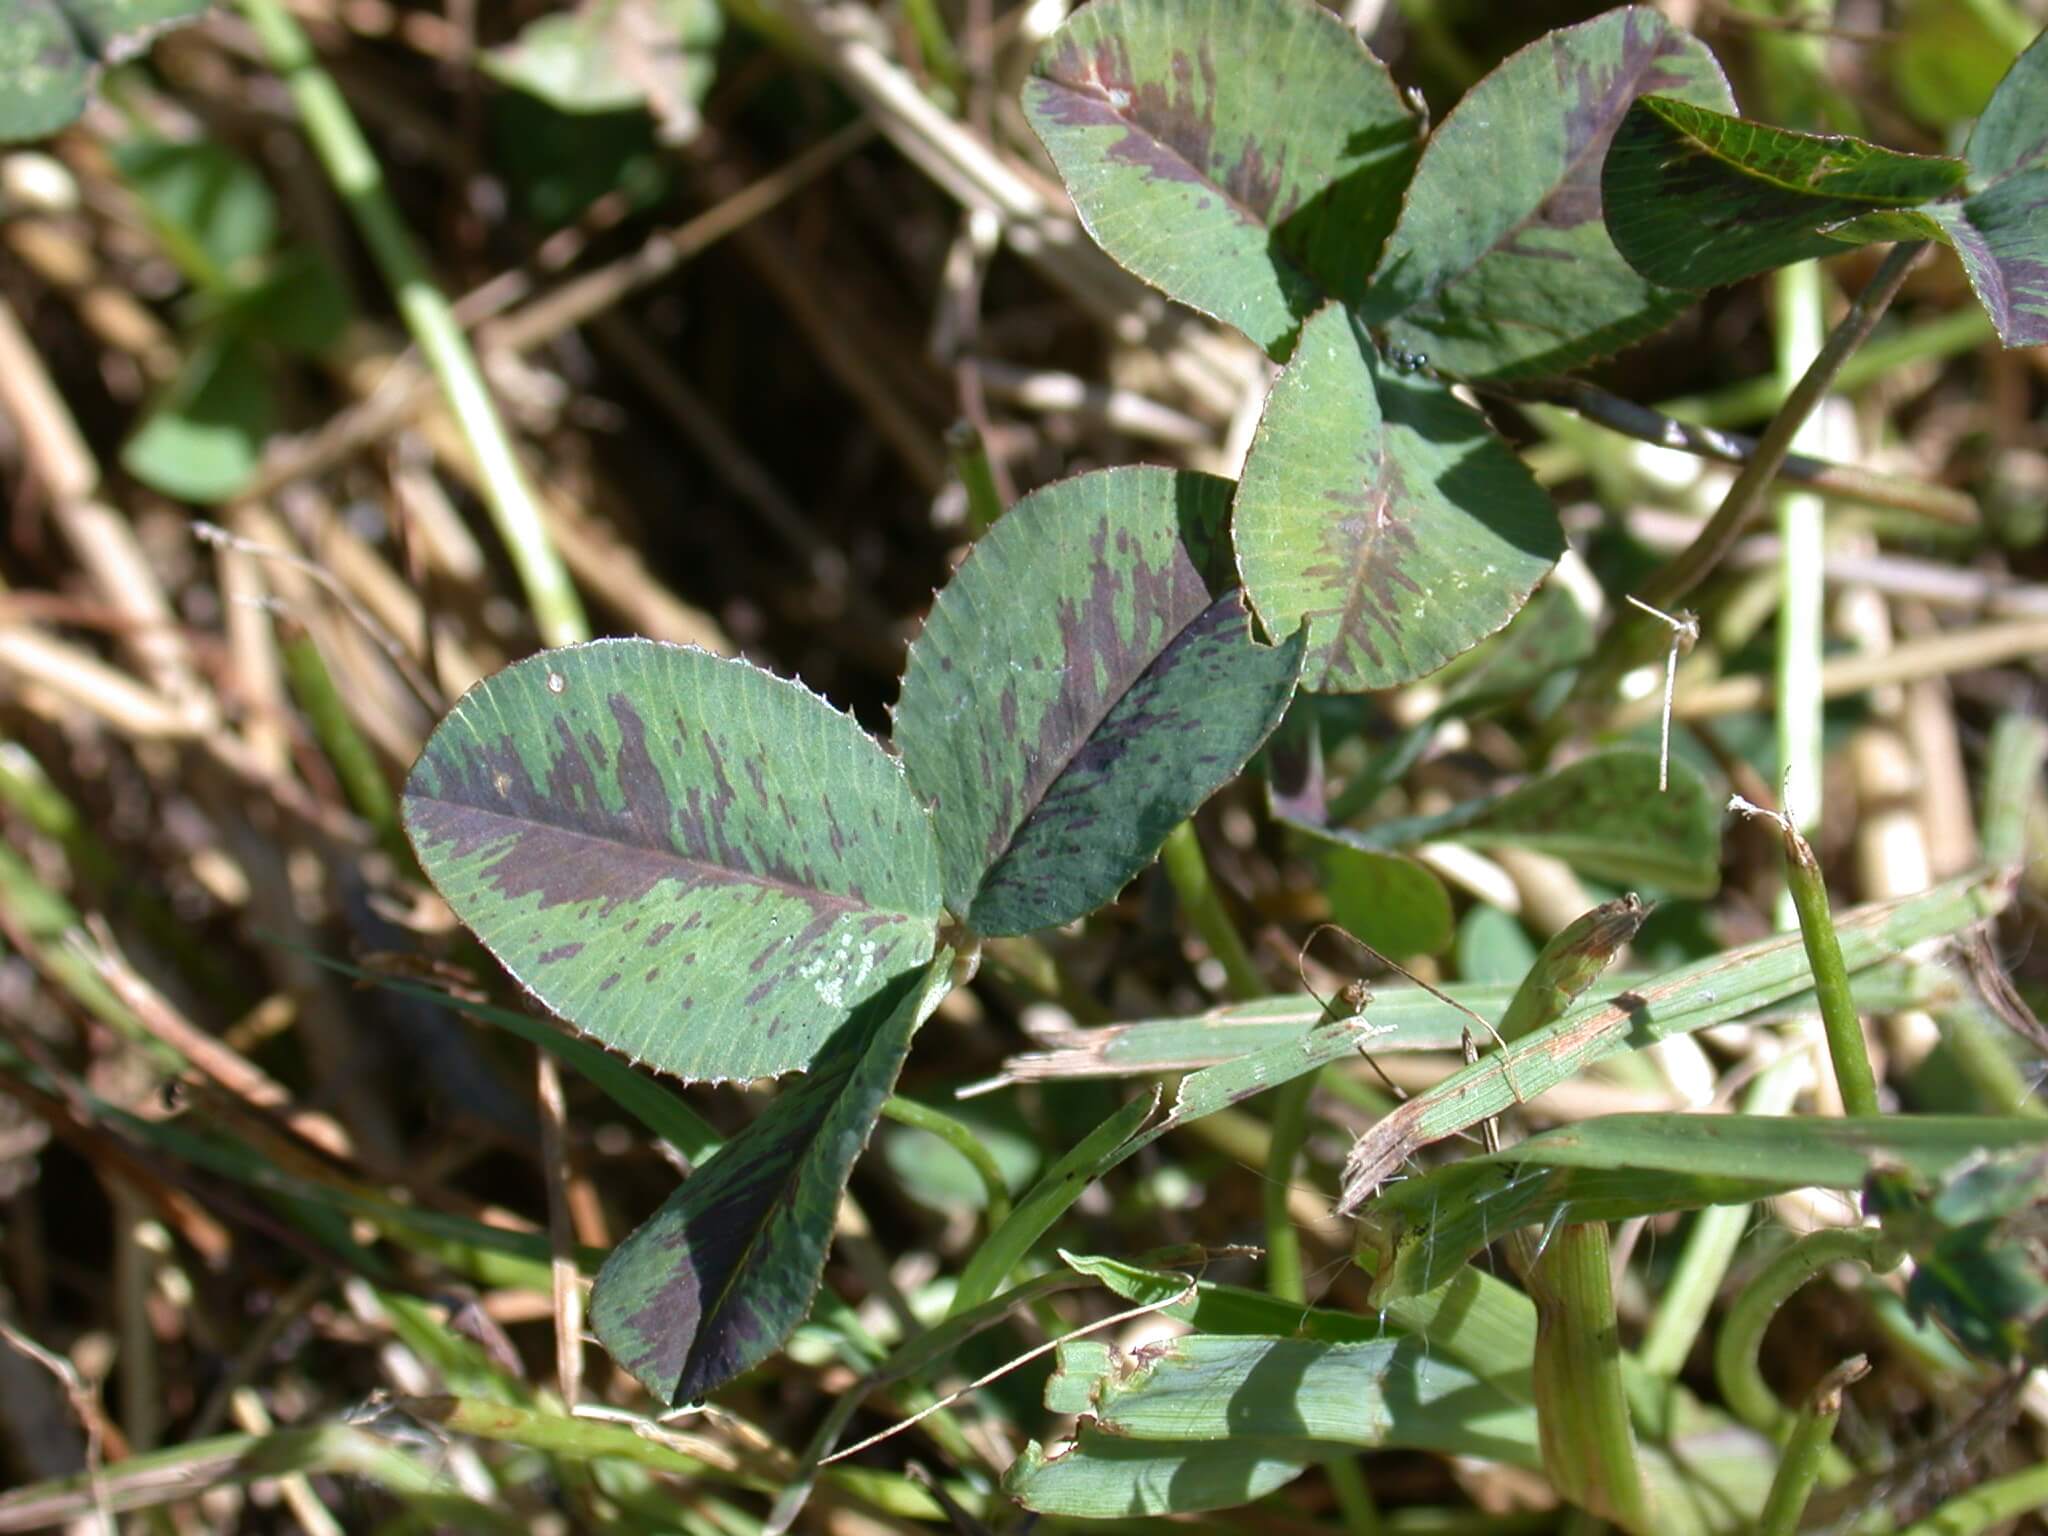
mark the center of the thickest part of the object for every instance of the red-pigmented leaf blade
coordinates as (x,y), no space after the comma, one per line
(2001,235)
(1696,199)
(1385,514)
(1083,683)
(2001,232)
(2012,135)
(693,862)
(1246,158)
(1501,266)
(714,1282)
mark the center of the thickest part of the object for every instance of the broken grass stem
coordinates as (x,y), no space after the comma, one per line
(1813,1433)
(1736,1371)
(1846,1048)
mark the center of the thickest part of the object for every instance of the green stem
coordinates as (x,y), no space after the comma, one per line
(1636,637)
(1736,1371)
(940,56)
(1846,1049)
(1589,1448)
(1189,871)
(2012,778)
(355,764)
(1354,1498)
(1806,1452)
(1283,1243)
(961,1139)
(977,476)
(1935,341)
(353,168)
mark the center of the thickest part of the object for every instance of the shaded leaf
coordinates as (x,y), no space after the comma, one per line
(717,1279)
(557,164)
(50,50)
(2001,235)
(1947,56)
(614,55)
(934,1173)
(210,208)
(1083,684)
(204,436)
(1695,198)
(1621,1166)
(1551,632)
(1979,1241)
(2012,135)
(1385,514)
(1492,946)
(1247,159)
(695,863)
(299,304)
(1501,266)
(1602,814)
(1389,902)
(1045,1202)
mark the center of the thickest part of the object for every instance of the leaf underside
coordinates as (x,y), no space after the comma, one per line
(693,862)
(2001,236)
(714,1282)
(1696,198)
(1083,684)
(1603,815)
